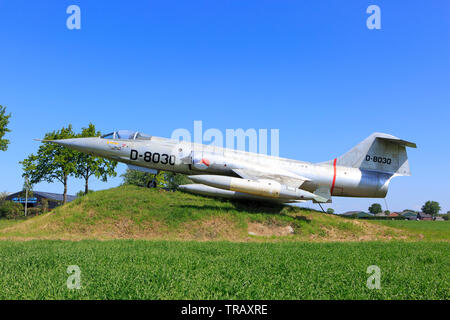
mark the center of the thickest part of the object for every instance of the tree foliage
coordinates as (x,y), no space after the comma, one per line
(375,208)
(431,207)
(82,193)
(3,196)
(4,121)
(176,179)
(88,166)
(164,179)
(11,210)
(52,162)
(141,179)
(27,186)
(330,210)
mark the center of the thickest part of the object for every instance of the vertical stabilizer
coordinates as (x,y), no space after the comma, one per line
(379,152)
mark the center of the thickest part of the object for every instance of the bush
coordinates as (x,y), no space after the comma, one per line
(11,210)
(44,205)
(34,211)
(3,196)
(81,193)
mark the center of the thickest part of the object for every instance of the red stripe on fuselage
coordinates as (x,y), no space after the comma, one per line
(334,177)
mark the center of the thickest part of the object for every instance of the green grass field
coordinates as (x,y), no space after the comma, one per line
(430,230)
(171,245)
(127,269)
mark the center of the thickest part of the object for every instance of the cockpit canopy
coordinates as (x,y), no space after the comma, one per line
(126,135)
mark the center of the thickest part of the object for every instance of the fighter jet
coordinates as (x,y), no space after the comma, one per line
(364,171)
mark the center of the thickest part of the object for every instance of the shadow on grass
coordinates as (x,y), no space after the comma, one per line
(255,207)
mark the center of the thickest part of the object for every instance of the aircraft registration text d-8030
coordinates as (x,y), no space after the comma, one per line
(379,159)
(153,157)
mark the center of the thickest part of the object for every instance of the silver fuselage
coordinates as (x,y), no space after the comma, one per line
(182,157)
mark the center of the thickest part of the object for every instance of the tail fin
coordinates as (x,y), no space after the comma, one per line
(379,152)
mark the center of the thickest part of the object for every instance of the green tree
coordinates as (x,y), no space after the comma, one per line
(52,162)
(44,205)
(88,166)
(4,121)
(330,210)
(141,179)
(175,179)
(11,210)
(3,196)
(375,208)
(431,207)
(164,179)
(27,185)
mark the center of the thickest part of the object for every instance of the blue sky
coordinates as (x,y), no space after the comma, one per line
(311,69)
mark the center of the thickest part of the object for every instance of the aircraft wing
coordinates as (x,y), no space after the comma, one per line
(284,177)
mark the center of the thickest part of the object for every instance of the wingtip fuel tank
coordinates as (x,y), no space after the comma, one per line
(262,188)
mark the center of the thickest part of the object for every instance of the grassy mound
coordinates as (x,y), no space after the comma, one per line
(130,212)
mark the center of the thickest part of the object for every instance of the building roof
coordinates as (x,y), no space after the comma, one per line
(48,195)
(363,214)
(408,214)
(349,213)
(424,215)
(358,214)
(393,214)
(54,196)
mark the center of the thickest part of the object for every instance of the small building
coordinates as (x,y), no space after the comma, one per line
(393,214)
(350,213)
(424,216)
(357,214)
(364,215)
(410,215)
(35,198)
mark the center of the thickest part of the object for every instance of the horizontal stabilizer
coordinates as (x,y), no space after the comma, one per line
(399,142)
(323,195)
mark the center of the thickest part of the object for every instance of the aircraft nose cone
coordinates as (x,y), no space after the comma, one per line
(80,144)
(65,142)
